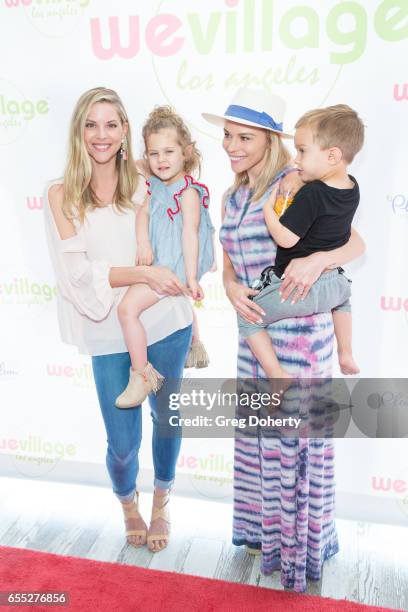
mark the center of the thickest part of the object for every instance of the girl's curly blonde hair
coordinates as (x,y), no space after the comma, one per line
(165,117)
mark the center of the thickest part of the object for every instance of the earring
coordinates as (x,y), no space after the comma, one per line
(123,149)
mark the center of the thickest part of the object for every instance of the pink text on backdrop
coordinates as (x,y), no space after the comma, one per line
(158,32)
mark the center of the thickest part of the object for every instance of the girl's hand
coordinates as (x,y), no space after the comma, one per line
(162,280)
(238,295)
(196,291)
(300,274)
(144,254)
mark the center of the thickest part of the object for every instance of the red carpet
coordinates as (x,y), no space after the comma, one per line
(95,586)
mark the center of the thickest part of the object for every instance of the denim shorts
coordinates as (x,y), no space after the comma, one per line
(332,291)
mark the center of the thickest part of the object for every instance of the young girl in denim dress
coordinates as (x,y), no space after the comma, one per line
(173,229)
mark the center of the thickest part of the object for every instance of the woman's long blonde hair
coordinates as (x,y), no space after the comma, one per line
(79,196)
(164,117)
(276,158)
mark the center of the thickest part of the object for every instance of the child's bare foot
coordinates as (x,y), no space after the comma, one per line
(347,364)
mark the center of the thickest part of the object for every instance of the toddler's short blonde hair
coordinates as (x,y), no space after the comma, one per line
(335,126)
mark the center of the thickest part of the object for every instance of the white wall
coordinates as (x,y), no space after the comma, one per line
(324,53)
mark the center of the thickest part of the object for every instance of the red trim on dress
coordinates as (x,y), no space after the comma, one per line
(177,195)
(148,188)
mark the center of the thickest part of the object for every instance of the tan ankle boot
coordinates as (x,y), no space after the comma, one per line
(141,383)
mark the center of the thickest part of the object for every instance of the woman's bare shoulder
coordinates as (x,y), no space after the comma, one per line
(226,194)
(56,199)
(56,195)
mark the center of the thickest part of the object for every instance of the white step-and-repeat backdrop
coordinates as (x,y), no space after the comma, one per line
(194,55)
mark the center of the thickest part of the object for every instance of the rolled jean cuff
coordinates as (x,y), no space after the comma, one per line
(163,484)
(126,498)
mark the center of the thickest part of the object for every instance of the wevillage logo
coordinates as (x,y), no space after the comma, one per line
(397,487)
(24,291)
(35,444)
(52,18)
(8,370)
(215,298)
(387,485)
(399,204)
(210,475)
(33,456)
(394,304)
(34,202)
(201,50)
(236,28)
(400,92)
(78,375)
(17,111)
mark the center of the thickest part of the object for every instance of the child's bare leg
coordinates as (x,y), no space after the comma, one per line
(262,347)
(136,299)
(343,329)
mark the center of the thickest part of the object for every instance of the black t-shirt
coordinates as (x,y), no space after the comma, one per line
(321,216)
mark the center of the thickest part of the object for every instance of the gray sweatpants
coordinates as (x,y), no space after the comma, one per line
(330,292)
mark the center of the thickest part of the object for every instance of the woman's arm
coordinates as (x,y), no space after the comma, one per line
(158,278)
(300,274)
(353,249)
(237,293)
(65,226)
(80,279)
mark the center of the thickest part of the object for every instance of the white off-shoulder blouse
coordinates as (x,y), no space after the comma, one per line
(87,304)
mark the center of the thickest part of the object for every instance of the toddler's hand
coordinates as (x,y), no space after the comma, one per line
(196,291)
(291,183)
(144,254)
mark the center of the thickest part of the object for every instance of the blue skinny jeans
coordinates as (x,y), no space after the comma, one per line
(124,427)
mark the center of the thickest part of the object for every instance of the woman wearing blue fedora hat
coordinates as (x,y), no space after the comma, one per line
(283,488)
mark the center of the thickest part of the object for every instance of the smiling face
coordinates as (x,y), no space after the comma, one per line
(313,162)
(165,155)
(103,133)
(246,147)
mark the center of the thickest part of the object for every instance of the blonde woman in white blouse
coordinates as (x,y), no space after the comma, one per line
(90,225)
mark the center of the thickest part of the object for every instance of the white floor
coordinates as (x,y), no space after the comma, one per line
(371,568)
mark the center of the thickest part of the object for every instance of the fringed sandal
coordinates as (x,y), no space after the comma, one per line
(197,357)
(252,550)
(141,383)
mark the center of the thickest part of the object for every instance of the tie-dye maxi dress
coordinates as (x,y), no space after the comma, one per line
(283,488)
